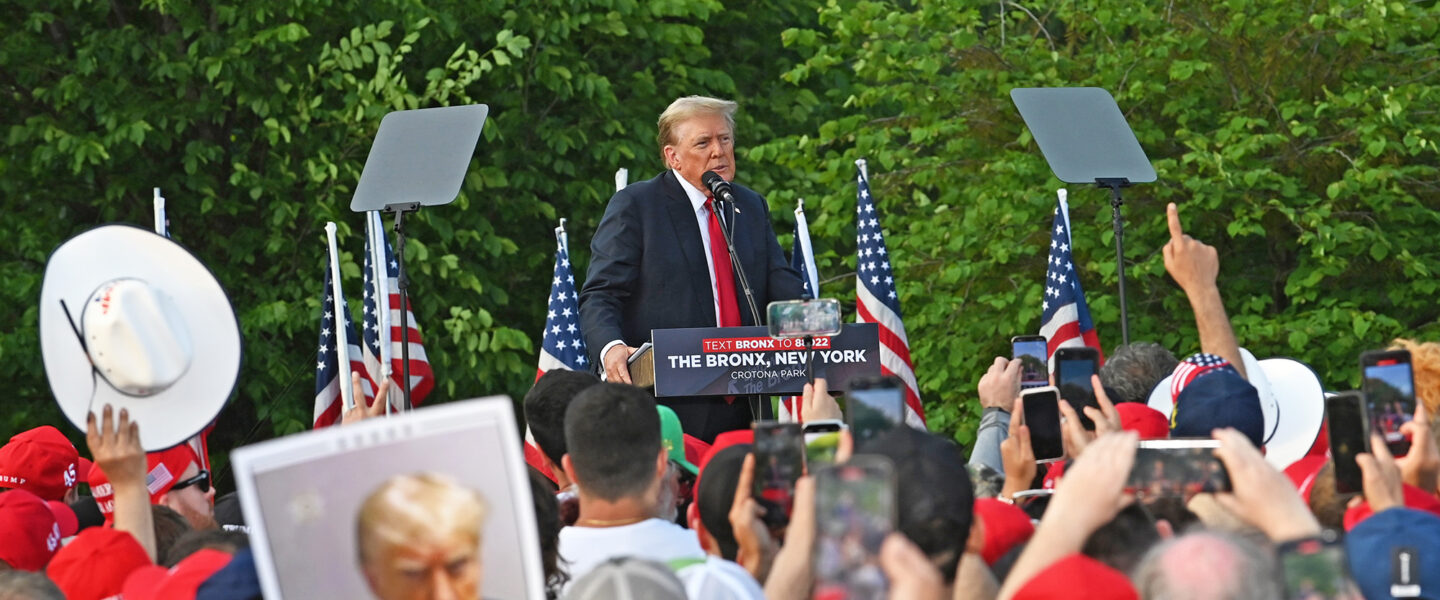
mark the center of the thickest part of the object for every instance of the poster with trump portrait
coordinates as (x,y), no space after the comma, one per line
(434,502)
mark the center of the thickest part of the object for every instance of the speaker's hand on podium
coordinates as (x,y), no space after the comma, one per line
(617,363)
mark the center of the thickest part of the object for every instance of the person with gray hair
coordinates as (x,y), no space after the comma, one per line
(1208,565)
(27,585)
(1134,369)
(659,258)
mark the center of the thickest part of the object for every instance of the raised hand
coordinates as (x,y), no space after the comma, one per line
(1421,467)
(816,403)
(1000,385)
(360,412)
(1192,263)
(1383,485)
(1018,456)
(756,549)
(1261,496)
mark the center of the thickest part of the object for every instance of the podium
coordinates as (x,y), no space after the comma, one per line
(736,361)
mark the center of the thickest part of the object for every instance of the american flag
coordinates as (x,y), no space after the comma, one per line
(422,378)
(802,259)
(563,347)
(1065,319)
(328,377)
(877,301)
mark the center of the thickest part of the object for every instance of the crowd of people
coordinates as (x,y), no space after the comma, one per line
(639,499)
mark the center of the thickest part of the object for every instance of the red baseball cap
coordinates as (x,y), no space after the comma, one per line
(1151,424)
(1062,579)
(42,461)
(1414,498)
(181,581)
(1005,527)
(95,564)
(165,468)
(29,529)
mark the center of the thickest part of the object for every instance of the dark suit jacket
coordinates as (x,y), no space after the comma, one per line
(648,269)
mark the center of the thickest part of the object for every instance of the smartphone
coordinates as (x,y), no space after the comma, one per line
(1177,468)
(873,407)
(1389,387)
(1031,351)
(1349,427)
(804,318)
(1316,569)
(1073,368)
(822,441)
(854,511)
(1042,416)
(779,461)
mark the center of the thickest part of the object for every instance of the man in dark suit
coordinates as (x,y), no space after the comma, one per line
(658,259)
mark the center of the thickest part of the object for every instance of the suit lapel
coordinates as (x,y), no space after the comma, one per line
(687,232)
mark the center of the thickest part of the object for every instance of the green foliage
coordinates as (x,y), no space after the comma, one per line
(1298,139)
(255,121)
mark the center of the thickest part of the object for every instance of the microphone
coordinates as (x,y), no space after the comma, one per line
(719,188)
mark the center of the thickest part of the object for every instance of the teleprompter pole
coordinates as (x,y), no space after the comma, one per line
(1118,223)
(403,281)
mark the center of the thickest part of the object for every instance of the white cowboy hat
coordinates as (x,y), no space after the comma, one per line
(132,319)
(1290,396)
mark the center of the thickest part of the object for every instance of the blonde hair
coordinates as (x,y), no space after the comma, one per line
(417,506)
(689,107)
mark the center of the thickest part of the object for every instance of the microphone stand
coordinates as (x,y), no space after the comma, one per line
(725,226)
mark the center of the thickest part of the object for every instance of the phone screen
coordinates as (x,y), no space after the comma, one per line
(1031,352)
(779,461)
(854,511)
(801,318)
(1390,393)
(1072,376)
(873,411)
(1042,416)
(1316,570)
(1177,468)
(1349,435)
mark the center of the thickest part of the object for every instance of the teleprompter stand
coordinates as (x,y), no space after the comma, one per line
(419,158)
(1085,139)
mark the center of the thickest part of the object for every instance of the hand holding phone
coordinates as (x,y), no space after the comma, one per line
(779,461)
(1031,351)
(1389,386)
(1317,569)
(1348,424)
(1042,416)
(1177,468)
(874,407)
(855,510)
(1073,368)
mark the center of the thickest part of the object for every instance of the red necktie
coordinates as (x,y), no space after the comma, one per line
(724,274)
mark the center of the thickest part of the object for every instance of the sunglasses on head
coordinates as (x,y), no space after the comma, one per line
(202,480)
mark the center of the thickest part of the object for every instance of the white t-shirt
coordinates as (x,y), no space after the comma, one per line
(583,548)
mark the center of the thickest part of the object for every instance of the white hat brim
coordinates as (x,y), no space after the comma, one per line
(89,259)
(1291,397)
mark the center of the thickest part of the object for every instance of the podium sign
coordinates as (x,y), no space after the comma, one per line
(733,361)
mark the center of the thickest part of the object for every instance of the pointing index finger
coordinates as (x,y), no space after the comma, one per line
(1172,215)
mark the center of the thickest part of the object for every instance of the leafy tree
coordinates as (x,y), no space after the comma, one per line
(1297,138)
(255,121)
